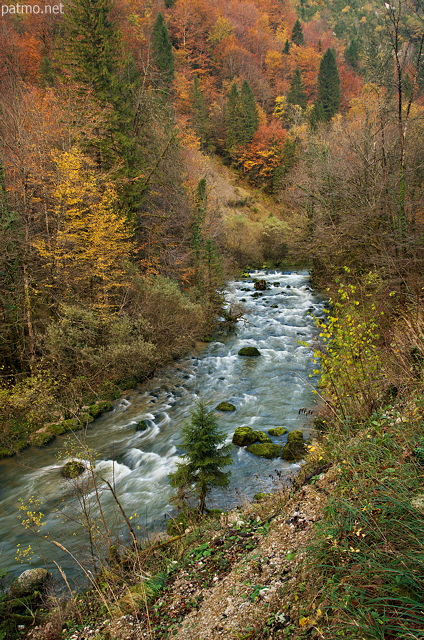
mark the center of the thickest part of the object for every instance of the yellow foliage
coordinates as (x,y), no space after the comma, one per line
(89,247)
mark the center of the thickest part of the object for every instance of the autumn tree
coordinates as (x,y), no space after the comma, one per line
(88,251)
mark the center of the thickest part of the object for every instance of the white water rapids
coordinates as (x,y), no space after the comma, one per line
(267,391)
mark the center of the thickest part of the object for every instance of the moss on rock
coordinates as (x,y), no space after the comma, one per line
(249,351)
(141,425)
(225,406)
(295,448)
(277,431)
(262,437)
(72,469)
(243,436)
(265,450)
(100,407)
(42,438)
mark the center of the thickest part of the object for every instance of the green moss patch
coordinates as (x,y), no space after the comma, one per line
(265,450)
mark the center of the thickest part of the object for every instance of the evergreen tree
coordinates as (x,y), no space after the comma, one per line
(286,49)
(329,85)
(234,123)
(200,114)
(317,114)
(162,49)
(297,94)
(205,456)
(352,55)
(93,49)
(250,113)
(297,34)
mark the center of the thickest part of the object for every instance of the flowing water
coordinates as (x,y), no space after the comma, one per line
(267,391)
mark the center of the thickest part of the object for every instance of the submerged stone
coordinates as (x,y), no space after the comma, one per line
(249,351)
(295,448)
(141,425)
(225,406)
(265,450)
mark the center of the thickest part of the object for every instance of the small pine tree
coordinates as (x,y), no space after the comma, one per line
(205,456)
(286,49)
(297,34)
(162,49)
(329,84)
(296,94)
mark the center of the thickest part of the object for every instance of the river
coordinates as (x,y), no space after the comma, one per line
(267,391)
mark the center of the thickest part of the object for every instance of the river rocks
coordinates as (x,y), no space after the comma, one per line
(295,448)
(42,438)
(249,351)
(243,436)
(225,406)
(265,450)
(260,285)
(100,407)
(29,581)
(277,431)
(262,437)
(73,469)
(141,425)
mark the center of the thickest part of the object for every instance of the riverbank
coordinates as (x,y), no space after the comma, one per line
(336,554)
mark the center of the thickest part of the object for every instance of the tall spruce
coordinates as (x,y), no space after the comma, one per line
(250,113)
(234,123)
(162,50)
(329,85)
(352,55)
(199,112)
(206,456)
(297,94)
(94,47)
(297,34)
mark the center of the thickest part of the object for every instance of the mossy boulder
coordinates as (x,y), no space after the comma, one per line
(85,418)
(71,424)
(42,438)
(260,497)
(262,437)
(260,285)
(73,469)
(225,406)
(243,436)
(295,448)
(277,431)
(100,407)
(56,429)
(29,581)
(265,450)
(141,425)
(249,351)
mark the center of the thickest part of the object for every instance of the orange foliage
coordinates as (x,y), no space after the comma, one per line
(264,154)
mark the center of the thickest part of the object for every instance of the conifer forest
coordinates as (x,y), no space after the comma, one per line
(210,208)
